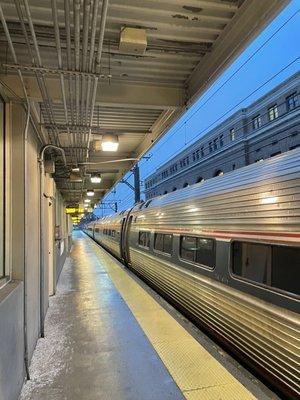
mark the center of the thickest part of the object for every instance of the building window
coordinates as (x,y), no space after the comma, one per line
(210,147)
(275,154)
(221,140)
(174,189)
(163,242)
(3,273)
(216,144)
(185,185)
(219,172)
(256,122)
(294,147)
(233,166)
(200,179)
(144,239)
(202,151)
(273,112)
(292,101)
(198,250)
(232,134)
(184,162)
(267,264)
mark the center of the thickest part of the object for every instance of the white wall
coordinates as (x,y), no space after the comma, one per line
(22,249)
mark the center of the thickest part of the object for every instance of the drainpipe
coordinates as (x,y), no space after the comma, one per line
(42,222)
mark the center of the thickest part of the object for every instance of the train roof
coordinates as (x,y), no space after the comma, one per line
(285,166)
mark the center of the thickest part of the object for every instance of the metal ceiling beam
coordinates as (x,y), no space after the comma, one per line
(139,96)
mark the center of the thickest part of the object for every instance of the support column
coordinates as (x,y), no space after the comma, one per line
(137,189)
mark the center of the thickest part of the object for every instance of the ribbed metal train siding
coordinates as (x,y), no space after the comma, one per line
(256,198)
(109,243)
(265,333)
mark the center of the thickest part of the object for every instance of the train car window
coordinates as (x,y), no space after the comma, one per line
(271,265)
(144,239)
(113,233)
(285,268)
(159,241)
(206,252)
(163,242)
(147,203)
(199,250)
(188,246)
(168,244)
(252,261)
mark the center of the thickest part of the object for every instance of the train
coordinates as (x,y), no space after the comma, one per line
(226,253)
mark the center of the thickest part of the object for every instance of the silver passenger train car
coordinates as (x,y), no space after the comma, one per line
(226,252)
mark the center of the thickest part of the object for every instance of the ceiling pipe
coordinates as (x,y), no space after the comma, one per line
(40,79)
(93,34)
(69,64)
(97,66)
(108,162)
(86,85)
(92,51)
(76,15)
(59,58)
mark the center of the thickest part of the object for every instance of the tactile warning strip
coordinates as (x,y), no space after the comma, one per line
(196,372)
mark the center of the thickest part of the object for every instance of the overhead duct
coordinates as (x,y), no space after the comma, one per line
(133,41)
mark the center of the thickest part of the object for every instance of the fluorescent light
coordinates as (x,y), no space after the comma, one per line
(75,169)
(95,178)
(90,193)
(87,200)
(110,142)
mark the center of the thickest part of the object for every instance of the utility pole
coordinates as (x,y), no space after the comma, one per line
(137,189)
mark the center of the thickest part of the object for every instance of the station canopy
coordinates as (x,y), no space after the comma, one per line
(117,70)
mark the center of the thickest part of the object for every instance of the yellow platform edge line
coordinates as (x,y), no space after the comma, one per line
(196,372)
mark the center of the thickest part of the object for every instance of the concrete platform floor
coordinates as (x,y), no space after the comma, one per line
(107,338)
(94,348)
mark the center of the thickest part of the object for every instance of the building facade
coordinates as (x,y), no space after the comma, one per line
(268,127)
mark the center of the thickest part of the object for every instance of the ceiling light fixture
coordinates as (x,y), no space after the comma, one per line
(110,142)
(75,177)
(90,192)
(87,200)
(96,178)
(75,169)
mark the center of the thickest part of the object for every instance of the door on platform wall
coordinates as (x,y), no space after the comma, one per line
(51,256)
(48,231)
(45,252)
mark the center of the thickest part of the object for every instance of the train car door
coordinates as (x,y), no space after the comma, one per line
(124,242)
(122,238)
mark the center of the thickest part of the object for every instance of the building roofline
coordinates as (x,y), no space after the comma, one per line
(227,121)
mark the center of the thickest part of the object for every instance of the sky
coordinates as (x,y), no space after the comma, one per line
(276,48)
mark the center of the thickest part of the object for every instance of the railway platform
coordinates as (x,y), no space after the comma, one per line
(108,336)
